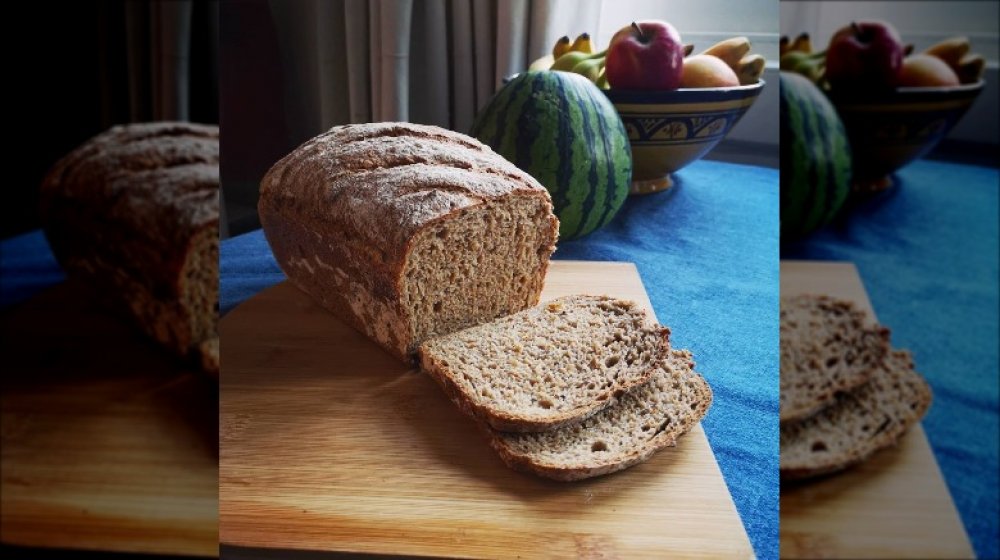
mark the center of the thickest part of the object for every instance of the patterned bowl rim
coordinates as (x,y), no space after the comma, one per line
(910,94)
(685,95)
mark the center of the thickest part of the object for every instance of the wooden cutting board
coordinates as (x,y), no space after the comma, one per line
(896,505)
(106,444)
(330,444)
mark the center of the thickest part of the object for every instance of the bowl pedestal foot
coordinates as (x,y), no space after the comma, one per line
(648,186)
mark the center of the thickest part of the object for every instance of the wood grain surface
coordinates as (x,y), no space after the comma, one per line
(328,444)
(107,442)
(896,505)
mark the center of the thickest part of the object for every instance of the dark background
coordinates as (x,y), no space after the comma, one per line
(68,81)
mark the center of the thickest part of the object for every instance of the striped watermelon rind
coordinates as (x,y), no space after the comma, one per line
(815,158)
(564,132)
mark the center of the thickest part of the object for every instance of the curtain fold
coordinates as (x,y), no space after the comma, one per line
(430,61)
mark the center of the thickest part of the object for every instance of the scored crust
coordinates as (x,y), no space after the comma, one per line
(827,346)
(629,432)
(346,211)
(859,423)
(134,212)
(548,366)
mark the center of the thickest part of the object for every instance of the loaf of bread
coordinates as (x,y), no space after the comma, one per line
(549,366)
(135,212)
(641,423)
(407,231)
(858,423)
(827,346)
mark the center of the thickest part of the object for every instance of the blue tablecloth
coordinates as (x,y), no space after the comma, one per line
(927,253)
(707,252)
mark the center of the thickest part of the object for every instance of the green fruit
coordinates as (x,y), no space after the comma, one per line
(570,60)
(563,131)
(590,68)
(815,157)
(810,65)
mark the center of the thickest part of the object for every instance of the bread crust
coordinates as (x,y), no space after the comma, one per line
(896,381)
(857,336)
(600,466)
(503,420)
(134,212)
(342,212)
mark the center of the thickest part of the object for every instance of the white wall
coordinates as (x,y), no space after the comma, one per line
(921,24)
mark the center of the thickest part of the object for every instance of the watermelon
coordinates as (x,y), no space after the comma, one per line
(815,158)
(562,130)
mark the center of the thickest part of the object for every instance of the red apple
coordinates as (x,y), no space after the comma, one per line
(647,55)
(864,55)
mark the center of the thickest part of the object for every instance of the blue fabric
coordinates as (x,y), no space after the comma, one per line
(707,252)
(26,267)
(927,253)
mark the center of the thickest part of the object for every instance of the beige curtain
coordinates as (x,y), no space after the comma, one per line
(159,64)
(428,61)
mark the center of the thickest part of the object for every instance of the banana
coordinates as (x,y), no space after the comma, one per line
(970,69)
(688,49)
(582,44)
(568,61)
(950,50)
(602,80)
(590,68)
(730,51)
(543,63)
(810,65)
(561,47)
(802,43)
(751,67)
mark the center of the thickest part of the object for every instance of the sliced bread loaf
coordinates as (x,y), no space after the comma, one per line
(858,424)
(827,346)
(548,366)
(632,430)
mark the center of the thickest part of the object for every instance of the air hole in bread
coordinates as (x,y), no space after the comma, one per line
(818,446)
(437,307)
(599,446)
(611,361)
(832,361)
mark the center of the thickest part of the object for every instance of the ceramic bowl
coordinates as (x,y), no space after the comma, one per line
(670,129)
(889,130)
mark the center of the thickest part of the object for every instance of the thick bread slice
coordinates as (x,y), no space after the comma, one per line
(858,424)
(827,346)
(640,424)
(548,366)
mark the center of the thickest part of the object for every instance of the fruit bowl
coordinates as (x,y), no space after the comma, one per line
(889,130)
(670,129)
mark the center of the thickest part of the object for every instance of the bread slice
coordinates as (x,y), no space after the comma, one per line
(827,346)
(858,424)
(643,422)
(547,366)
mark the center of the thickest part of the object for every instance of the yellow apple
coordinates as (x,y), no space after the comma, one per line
(924,70)
(705,71)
